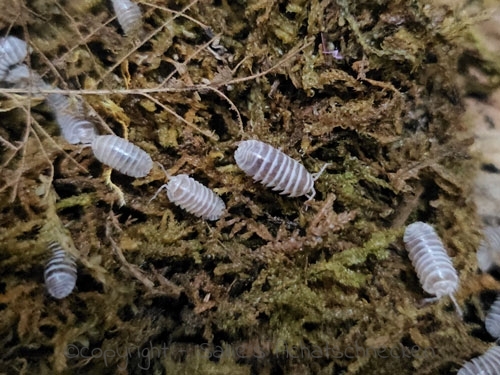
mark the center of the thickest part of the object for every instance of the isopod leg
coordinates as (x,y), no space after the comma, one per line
(457,308)
(316,175)
(163,169)
(158,192)
(162,186)
(310,195)
(426,301)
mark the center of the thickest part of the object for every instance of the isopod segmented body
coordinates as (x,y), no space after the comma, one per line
(60,272)
(22,74)
(12,51)
(488,254)
(195,198)
(433,265)
(486,364)
(275,169)
(492,321)
(122,155)
(76,130)
(128,14)
(69,116)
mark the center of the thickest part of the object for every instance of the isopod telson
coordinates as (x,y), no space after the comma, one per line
(492,321)
(128,14)
(433,265)
(486,364)
(12,51)
(195,198)
(122,155)
(60,272)
(275,169)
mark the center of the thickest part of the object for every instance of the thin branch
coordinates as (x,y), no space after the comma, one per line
(131,268)
(177,13)
(287,57)
(157,102)
(82,39)
(153,90)
(51,166)
(189,58)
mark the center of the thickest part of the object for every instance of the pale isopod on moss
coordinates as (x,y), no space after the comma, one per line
(128,14)
(275,169)
(486,364)
(69,116)
(12,51)
(19,73)
(60,272)
(433,265)
(492,321)
(488,253)
(122,155)
(192,196)
(76,130)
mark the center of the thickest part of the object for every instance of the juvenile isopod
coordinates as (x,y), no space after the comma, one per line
(21,73)
(76,130)
(488,254)
(486,364)
(69,116)
(60,272)
(275,169)
(12,51)
(122,155)
(193,197)
(433,265)
(128,14)
(492,321)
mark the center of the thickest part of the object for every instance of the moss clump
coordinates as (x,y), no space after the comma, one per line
(276,286)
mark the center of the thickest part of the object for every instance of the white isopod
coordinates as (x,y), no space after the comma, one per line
(275,169)
(122,155)
(128,14)
(195,198)
(60,272)
(492,321)
(488,254)
(76,130)
(69,116)
(21,73)
(433,265)
(12,51)
(486,364)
